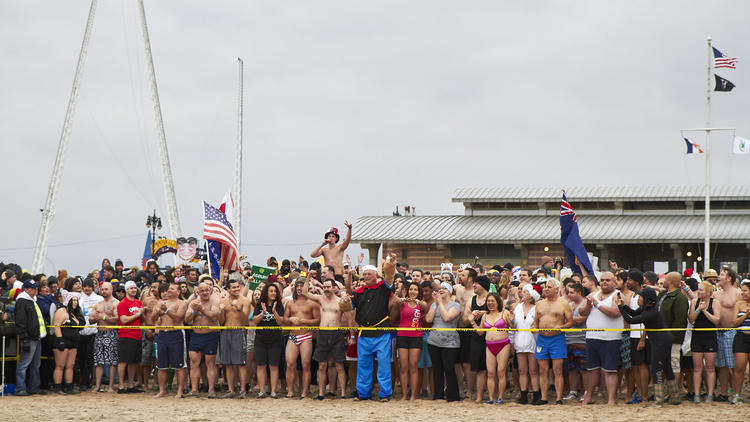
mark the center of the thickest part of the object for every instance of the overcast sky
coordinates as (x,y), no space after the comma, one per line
(351,108)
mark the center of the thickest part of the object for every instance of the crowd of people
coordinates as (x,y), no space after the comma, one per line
(536,335)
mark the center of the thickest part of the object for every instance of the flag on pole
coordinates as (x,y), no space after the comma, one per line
(721,60)
(213,255)
(227,207)
(741,145)
(722,84)
(571,239)
(146,251)
(217,227)
(692,147)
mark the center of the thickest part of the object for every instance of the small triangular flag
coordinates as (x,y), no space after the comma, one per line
(722,84)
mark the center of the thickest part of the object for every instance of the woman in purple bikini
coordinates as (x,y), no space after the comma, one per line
(498,346)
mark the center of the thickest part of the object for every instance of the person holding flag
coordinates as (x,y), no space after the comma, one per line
(571,239)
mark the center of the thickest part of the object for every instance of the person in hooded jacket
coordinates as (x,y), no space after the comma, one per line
(649,315)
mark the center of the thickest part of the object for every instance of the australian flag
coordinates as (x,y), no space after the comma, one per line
(571,239)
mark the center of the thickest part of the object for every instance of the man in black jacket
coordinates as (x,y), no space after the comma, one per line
(31,329)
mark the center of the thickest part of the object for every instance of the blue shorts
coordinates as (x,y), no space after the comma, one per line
(424,356)
(170,349)
(724,355)
(206,343)
(551,347)
(604,354)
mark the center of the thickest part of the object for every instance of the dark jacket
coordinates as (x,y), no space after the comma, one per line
(674,306)
(27,320)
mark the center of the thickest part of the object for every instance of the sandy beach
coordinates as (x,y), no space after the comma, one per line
(142,407)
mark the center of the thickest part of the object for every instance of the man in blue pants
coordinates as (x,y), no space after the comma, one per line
(371,303)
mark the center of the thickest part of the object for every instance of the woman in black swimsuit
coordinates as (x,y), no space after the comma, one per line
(65,343)
(703,343)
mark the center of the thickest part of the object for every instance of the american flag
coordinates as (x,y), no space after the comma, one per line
(721,60)
(216,227)
(566,209)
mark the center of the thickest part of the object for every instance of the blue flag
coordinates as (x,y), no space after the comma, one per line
(571,239)
(146,251)
(213,254)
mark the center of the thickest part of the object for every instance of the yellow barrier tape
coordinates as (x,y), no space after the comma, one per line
(250,327)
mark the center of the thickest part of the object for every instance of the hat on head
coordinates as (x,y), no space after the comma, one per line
(333,230)
(71,295)
(484,281)
(651,277)
(546,259)
(636,275)
(369,268)
(688,272)
(710,273)
(649,296)
(447,287)
(508,266)
(30,284)
(130,284)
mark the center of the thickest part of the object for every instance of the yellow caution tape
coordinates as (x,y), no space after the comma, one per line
(250,327)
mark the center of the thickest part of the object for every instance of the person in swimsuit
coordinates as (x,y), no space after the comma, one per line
(703,344)
(66,342)
(496,354)
(741,342)
(524,342)
(475,310)
(552,313)
(300,312)
(409,343)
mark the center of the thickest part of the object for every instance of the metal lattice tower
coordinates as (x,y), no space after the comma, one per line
(49,208)
(40,253)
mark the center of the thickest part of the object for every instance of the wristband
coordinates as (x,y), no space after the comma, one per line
(104,318)
(687,289)
(697,311)
(597,306)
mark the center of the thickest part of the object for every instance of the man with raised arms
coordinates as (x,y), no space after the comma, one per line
(203,311)
(371,303)
(331,344)
(170,342)
(300,312)
(334,254)
(234,311)
(552,313)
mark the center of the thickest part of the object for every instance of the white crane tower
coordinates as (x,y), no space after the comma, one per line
(166,171)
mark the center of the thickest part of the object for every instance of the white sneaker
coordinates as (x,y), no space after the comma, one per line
(736,399)
(571,396)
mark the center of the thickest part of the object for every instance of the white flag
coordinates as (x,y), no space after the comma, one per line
(741,145)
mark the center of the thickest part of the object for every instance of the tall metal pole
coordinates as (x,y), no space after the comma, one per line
(238,161)
(707,187)
(49,207)
(166,169)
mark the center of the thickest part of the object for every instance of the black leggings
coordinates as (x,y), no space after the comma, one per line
(661,356)
(443,363)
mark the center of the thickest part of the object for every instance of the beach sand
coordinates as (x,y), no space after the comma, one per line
(143,407)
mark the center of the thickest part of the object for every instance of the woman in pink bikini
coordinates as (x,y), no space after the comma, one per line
(498,346)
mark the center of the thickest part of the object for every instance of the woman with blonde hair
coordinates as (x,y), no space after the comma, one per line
(703,343)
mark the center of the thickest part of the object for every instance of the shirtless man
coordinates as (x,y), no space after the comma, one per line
(105,342)
(149,298)
(170,342)
(203,310)
(334,254)
(234,311)
(464,292)
(331,344)
(727,296)
(300,312)
(552,312)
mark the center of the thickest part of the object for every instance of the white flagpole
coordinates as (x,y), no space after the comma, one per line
(707,187)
